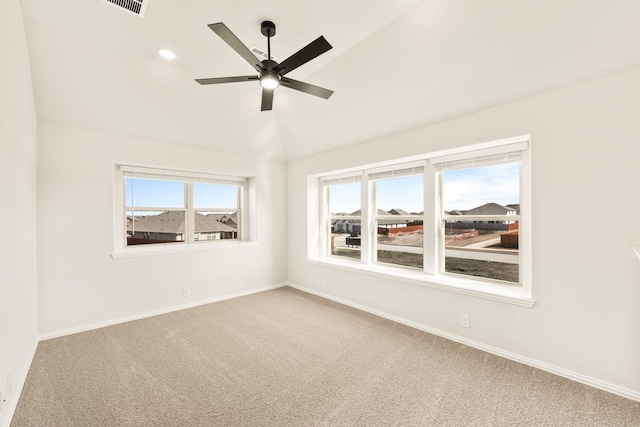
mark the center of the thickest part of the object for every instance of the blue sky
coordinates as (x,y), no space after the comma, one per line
(406,193)
(469,188)
(170,194)
(463,189)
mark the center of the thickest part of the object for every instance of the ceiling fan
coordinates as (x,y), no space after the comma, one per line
(270,73)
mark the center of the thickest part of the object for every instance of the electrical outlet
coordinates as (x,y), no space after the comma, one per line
(9,383)
(324,283)
(464,320)
(186,292)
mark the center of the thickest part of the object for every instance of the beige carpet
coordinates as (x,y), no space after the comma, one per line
(286,358)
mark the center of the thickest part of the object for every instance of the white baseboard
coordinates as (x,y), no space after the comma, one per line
(9,407)
(138,316)
(575,376)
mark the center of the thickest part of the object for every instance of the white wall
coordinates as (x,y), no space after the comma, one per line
(80,284)
(18,135)
(586,280)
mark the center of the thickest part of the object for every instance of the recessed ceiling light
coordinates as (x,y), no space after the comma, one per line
(167,54)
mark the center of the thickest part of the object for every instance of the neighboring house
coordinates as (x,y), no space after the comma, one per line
(409,222)
(515,206)
(170,227)
(486,209)
(353,225)
(398,212)
(492,209)
(346,225)
(396,223)
(228,219)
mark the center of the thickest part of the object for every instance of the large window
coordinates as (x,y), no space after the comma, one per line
(459,217)
(163,207)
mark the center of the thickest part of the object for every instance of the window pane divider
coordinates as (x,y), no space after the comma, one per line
(407,217)
(467,218)
(152,209)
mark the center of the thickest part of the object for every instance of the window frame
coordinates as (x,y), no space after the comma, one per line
(245,220)
(432,273)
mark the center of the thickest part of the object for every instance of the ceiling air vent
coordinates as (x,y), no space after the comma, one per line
(133,6)
(261,54)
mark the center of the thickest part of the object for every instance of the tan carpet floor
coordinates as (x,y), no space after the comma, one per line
(287,358)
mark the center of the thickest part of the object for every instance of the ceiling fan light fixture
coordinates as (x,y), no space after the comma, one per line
(269,80)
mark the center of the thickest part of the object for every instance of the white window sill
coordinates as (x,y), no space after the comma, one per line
(508,294)
(176,248)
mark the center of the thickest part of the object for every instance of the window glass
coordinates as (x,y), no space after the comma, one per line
(481,228)
(344,225)
(154,193)
(215,196)
(146,227)
(399,220)
(215,226)
(465,189)
(405,193)
(216,215)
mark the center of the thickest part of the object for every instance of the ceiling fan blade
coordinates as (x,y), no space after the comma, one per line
(267,99)
(225,34)
(306,88)
(304,55)
(216,80)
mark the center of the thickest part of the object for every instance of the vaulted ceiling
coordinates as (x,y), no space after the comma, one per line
(395,65)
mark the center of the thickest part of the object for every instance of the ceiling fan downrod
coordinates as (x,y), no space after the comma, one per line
(268,30)
(269,79)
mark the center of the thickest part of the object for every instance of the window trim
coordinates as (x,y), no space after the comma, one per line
(520,294)
(246,218)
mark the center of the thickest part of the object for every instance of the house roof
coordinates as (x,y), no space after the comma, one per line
(462,56)
(490,209)
(173,222)
(398,212)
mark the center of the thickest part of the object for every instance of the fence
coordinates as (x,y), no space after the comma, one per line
(399,230)
(481,226)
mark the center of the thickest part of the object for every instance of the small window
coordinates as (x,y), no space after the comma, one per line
(176,207)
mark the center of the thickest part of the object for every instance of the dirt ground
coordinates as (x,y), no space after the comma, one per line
(415,239)
(469,267)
